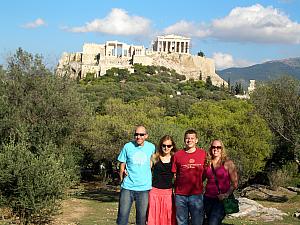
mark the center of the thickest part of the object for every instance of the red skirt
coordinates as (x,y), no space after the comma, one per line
(161,207)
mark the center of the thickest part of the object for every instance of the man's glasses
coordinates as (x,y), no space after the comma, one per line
(139,134)
(217,147)
(169,146)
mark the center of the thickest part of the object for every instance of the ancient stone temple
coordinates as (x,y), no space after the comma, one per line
(172,43)
(171,51)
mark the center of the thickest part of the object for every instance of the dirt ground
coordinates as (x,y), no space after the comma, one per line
(72,210)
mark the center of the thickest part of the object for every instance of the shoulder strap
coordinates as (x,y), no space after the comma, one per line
(215,176)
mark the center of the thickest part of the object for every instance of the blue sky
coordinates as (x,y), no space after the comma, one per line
(233,32)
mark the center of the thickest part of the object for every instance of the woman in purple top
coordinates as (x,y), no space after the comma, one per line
(227,178)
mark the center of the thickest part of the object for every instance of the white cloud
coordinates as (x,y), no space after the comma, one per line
(187,28)
(256,24)
(224,60)
(117,22)
(37,23)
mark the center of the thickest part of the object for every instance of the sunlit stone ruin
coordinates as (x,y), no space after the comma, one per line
(171,51)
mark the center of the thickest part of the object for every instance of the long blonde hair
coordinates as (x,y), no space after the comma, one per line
(209,157)
(159,152)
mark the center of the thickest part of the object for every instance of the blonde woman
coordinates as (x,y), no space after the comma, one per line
(227,179)
(161,203)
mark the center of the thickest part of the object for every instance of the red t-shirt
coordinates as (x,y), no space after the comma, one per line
(189,169)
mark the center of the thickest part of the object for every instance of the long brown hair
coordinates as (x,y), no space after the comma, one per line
(159,152)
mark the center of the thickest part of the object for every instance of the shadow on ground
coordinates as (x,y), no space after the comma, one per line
(102,193)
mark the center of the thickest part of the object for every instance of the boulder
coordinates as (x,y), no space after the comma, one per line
(250,208)
(265,193)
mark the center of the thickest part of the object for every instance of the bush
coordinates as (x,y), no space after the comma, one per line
(286,176)
(32,185)
(278,178)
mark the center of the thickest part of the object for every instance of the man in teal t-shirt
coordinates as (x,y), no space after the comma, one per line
(135,158)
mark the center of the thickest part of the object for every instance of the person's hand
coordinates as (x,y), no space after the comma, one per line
(222,196)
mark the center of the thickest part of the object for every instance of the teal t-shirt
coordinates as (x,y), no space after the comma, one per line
(137,159)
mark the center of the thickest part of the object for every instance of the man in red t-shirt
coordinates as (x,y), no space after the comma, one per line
(187,167)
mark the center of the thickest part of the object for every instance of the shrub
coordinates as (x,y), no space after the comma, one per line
(32,185)
(278,178)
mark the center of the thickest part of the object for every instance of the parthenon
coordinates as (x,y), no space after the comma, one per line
(171,51)
(172,43)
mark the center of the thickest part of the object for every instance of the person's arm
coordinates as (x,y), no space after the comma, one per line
(122,170)
(229,165)
(152,160)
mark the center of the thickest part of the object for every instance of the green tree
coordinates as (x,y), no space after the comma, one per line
(201,54)
(208,82)
(33,184)
(245,134)
(44,118)
(113,129)
(229,84)
(238,88)
(278,101)
(23,63)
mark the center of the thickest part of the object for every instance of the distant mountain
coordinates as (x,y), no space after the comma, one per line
(264,71)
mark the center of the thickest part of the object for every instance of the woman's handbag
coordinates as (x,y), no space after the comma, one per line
(231,204)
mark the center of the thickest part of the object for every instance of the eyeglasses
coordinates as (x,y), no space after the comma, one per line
(217,147)
(139,134)
(169,146)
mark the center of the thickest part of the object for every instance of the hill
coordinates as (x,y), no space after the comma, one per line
(264,71)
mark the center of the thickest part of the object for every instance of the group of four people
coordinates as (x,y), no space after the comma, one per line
(147,177)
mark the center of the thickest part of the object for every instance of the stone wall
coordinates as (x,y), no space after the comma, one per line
(97,58)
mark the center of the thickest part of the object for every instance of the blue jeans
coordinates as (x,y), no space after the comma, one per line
(125,202)
(189,205)
(214,210)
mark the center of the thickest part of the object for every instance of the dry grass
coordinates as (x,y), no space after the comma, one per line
(96,204)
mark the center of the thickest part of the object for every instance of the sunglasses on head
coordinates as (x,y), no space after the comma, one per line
(169,146)
(139,134)
(217,147)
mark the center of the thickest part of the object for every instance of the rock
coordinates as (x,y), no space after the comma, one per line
(294,189)
(297,214)
(250,208)
(265,193)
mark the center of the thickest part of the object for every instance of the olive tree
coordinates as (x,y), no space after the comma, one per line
(278,102)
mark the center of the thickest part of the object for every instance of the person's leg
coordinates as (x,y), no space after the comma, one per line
(207,208)
(141,204)
(217,213)
(182,212)
(196,208)
(125,203)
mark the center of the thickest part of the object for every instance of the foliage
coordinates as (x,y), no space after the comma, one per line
(32,184)
(286,176)
(278,178)
(245,135)
(47,107)
(23,63)
(208,82)
(42,121)
(89,77)
(278,102)
(201,54)
(148,81)
(111,130)
(238,89)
